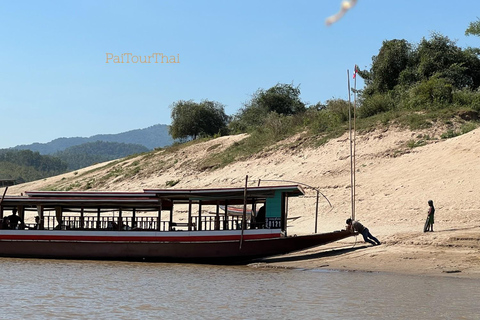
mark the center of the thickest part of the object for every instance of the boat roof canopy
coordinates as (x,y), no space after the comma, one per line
(150,199)
(225,193)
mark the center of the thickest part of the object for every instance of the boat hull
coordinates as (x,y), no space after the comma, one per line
(220,247)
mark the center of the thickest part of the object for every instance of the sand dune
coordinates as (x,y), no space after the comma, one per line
(393,185)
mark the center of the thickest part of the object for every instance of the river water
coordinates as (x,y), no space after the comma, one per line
(57,289)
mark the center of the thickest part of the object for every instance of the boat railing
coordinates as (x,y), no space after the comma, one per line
(144,223)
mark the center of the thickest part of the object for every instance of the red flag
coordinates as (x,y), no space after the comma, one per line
(355,71)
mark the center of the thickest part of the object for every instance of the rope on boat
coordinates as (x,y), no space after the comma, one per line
(296,182)
(305,185)
(355,243)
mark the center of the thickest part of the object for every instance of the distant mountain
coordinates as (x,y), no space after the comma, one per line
(89,153)
(151,137)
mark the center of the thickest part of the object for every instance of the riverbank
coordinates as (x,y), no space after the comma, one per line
(446,252)
(393,184)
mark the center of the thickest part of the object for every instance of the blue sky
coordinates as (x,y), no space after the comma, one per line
(55,82)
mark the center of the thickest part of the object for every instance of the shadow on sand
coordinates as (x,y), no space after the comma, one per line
(299,256)
(458,229)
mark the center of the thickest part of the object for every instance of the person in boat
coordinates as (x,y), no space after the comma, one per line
(355,226)
(38,225)
(431,214)
(260,218)
(112,225)
(15,221)
(5,223)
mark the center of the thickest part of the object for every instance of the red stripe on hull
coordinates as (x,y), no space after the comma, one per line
(74,238)
(217,251)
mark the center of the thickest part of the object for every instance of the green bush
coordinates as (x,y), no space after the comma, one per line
(340,108)
(171,183)
(467,98)
(416,121)
(413,144)
(435,93)
(323,121)
(449,134)
(376,104)
(467,127)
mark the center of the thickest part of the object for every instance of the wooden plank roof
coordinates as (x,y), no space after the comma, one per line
(225,193)
(148,199)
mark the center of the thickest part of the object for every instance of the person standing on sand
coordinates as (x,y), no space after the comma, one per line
(358,227)
(431,215)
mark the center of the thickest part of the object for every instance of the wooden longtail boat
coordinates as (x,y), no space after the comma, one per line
(143,226)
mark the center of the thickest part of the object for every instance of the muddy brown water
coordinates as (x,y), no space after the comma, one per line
(57,289)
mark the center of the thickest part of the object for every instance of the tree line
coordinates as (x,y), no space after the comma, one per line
(430,75)
(86,154)
(26,165)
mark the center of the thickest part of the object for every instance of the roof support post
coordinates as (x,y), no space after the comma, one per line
(41,222)
(21,212)
(316,211)
(217,217)
(120,220)
(159,218)
(253,216)
(225,218)
(189,215)
(82,218)
(244,215)
(171,218)
(199,227)
(134,218)
(58,217)
(98,219)
(284,212)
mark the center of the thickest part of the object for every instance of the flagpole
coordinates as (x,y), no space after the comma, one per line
(354,140)
(350,140)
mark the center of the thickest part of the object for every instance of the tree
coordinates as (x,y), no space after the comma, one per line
(393,58)
(440,56)
(192,119)
(400,69)
(436,54)
(473,28)
(282,99)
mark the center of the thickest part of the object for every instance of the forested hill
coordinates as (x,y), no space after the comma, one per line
(26,165)
(151,137)
(90,153)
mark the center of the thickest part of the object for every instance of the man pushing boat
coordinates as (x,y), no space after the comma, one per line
(355,226)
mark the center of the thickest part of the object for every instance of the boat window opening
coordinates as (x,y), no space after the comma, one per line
(204,218)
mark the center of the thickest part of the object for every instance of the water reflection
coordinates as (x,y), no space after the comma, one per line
(46,289)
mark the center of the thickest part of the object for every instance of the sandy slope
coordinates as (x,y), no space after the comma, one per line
(393,186)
